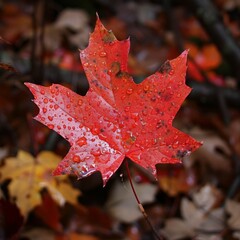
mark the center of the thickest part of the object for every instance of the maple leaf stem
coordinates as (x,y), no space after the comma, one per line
(141,208)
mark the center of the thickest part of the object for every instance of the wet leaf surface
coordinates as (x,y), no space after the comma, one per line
(117,118)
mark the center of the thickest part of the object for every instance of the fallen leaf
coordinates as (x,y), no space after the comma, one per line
(215,152)
(191,214)
(175,179)
(177,229)
(233,209)
(30,175)
(121,204)
(49,213)
(196,223)
(11,220)
(214,222)
(116,118)
(207,198)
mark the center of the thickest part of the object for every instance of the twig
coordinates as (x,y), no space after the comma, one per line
(206,93)
(37,51)
(140,205)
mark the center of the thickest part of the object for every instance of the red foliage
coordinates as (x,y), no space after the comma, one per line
(11,220)
(117,117)
(49,213)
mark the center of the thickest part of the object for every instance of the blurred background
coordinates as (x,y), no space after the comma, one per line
(199,199)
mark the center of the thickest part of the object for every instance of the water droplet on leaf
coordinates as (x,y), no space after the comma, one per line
(102,54)
(129,91)
(76,159)
(127,109)
(50,118)
(82,141)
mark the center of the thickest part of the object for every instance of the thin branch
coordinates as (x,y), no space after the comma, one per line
(140,205)
(206,93)
(37,51)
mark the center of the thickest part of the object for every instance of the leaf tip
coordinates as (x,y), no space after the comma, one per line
(30,86)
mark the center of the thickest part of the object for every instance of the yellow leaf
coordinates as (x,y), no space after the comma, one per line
(15,166)
(26,192)
(69,193)
(55,193)
(48,159)
(30,175)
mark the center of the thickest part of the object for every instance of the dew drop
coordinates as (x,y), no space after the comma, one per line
(50,118)
(154,141)
(175,145)
(144,112)
(56,106)
(102,54)
(44,110)
(96,153)
(45,100)
(80,102)
(126,109)
(76,159)
(86,64)
(146,88)
(42,91)
(129,91)
(51,126)
(164,160)
(135,116)
(82,141)
(95,130)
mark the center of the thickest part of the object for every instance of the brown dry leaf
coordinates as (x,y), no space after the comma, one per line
(207,198)
(199,218)
(191,214)
(30,175)
(233,209)
(177,229)
(122,204)
(74,23)
(214,152)
(213,222)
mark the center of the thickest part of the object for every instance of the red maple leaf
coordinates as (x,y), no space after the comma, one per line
(117,118)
